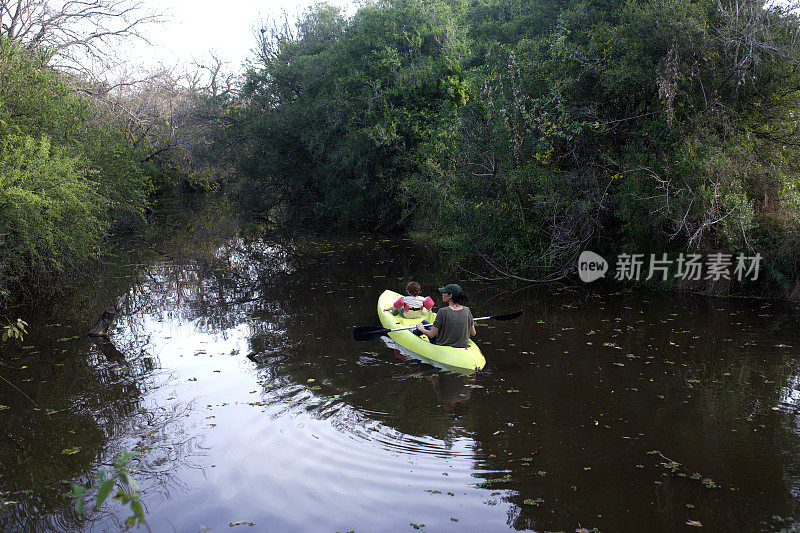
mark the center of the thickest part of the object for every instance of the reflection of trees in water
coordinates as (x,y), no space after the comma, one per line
(217,291)
(86,410)
(285,309)
(56,435)
(298,302)
(172,442)
(88,406)
(79,404)
(694,377)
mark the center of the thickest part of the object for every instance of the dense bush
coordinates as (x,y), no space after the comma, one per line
(344,114)
(528,131)
(64,179)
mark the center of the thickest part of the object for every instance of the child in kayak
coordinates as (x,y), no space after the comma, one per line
(414,305)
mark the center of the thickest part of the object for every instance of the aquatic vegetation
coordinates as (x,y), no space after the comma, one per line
(14,330)
(489,482)
(104,481)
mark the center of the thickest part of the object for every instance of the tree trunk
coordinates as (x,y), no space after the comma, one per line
(101,328)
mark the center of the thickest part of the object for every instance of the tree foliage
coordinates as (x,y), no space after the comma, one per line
(64,179)
(343,115)
(80,158)
(527,131)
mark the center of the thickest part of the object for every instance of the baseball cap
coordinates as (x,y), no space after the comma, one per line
(452,288)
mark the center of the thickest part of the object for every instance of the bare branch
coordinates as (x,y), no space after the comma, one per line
(74,32)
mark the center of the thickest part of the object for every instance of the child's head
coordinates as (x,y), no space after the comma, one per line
(413,288)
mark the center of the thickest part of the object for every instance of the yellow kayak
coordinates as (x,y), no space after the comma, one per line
(461,359)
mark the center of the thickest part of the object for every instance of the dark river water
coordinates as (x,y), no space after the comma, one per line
(234,370)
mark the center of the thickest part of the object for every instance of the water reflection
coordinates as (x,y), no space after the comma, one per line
(234,369)
(102,409)
(453,389)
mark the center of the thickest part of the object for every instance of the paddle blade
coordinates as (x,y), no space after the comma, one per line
(368,333)
(510,316)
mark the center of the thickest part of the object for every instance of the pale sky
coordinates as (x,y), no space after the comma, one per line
(194,27)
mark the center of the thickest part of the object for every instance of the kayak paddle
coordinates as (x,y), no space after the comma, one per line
(369,333)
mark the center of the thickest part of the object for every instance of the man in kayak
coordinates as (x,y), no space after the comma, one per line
(454,324)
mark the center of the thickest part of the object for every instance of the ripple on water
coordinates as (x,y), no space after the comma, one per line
(299,462)
(297,402)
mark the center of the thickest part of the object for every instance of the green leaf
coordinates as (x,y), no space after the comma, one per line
(138,510)
(128,480)
(104,492)
(124,456)
(77,490)
(79,504)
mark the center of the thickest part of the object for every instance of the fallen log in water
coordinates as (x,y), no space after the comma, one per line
(101,328)
(109,350)
(99,332)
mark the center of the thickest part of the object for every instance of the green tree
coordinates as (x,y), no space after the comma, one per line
(64,178)
(345,114)
(526,131)
(48,212)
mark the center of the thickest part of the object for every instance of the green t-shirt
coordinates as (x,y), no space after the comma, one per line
(453,326)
